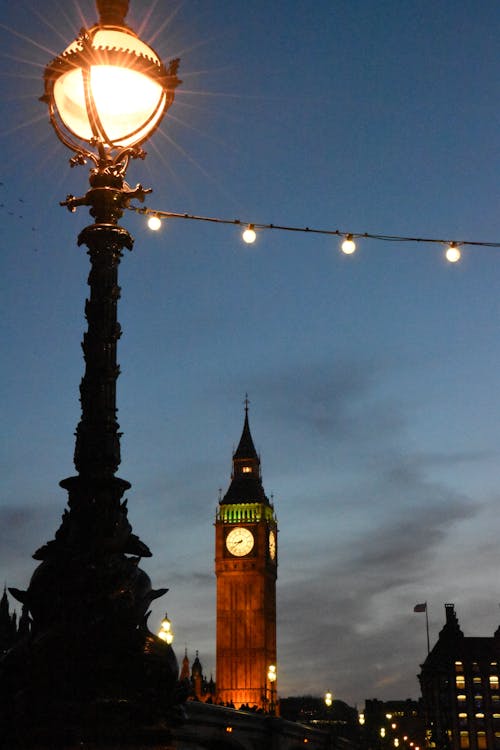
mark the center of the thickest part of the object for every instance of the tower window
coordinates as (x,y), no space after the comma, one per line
(247,470)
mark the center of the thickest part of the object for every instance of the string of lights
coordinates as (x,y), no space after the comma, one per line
(348,245)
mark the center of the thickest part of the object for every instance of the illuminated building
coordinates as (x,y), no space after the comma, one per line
(246,569)
(460,689)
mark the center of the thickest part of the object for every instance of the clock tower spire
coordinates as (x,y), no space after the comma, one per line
(246,571)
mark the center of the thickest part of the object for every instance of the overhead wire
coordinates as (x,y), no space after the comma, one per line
(348,246)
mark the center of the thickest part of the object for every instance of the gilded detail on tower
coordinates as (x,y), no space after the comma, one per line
(246,513)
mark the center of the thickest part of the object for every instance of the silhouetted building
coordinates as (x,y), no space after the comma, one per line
(392,724)
(460,689)
(197,686)
(8,624)
(10,629)
(246,564)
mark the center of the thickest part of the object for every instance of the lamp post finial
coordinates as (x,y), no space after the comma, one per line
(112,12)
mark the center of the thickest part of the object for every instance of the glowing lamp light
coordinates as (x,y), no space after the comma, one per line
(348,246)
(154,223)
(328,699)
(361,719)
(166,633)
(249,235)
(453,253)
(271,673)
(108,87)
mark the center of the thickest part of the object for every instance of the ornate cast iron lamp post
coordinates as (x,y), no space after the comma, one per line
(271,676)
(90,671)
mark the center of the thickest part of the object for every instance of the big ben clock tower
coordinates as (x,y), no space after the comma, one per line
(246,568)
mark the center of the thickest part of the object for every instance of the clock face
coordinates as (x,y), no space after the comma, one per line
(272,545)
(240,541)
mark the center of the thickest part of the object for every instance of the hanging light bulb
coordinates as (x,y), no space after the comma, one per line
(249,235)
(154,223)
(453,253)
(348,246)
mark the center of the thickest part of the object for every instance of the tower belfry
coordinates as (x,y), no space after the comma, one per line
(246,569)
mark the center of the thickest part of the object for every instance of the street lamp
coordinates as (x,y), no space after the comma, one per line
(90,660)
(328,699)
(271,676)
(108,88)
(166,633)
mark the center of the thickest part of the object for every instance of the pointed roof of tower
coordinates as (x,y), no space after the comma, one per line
(246,448)
(184,675)
(246,482)
(4,607)
(196,669)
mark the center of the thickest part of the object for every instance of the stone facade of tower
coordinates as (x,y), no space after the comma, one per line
(246,570)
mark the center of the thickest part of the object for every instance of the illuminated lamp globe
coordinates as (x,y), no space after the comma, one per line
(108,86)
(453,253)
(154,223)
(348,246)
(271,674)
(328,699)
(249,235)
(166,633)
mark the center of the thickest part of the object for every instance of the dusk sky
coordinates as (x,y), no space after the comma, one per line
(373,379)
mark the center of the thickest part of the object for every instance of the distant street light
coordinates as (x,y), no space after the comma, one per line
(328,699)
(166,633)
(272,676)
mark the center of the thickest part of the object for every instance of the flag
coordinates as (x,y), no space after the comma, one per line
(420,607)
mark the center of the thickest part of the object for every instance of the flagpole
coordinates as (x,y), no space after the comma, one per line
(423,608)
(427,628)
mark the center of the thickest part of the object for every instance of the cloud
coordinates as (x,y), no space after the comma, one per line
(21,526)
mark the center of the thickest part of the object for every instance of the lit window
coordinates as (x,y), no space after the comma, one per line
(462,716)
(461,697)
(464,740)
(476,680)
(459,667)
(493,682)
(460,681)
(479,716)
(481,741)
(247,470)
(496,716)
